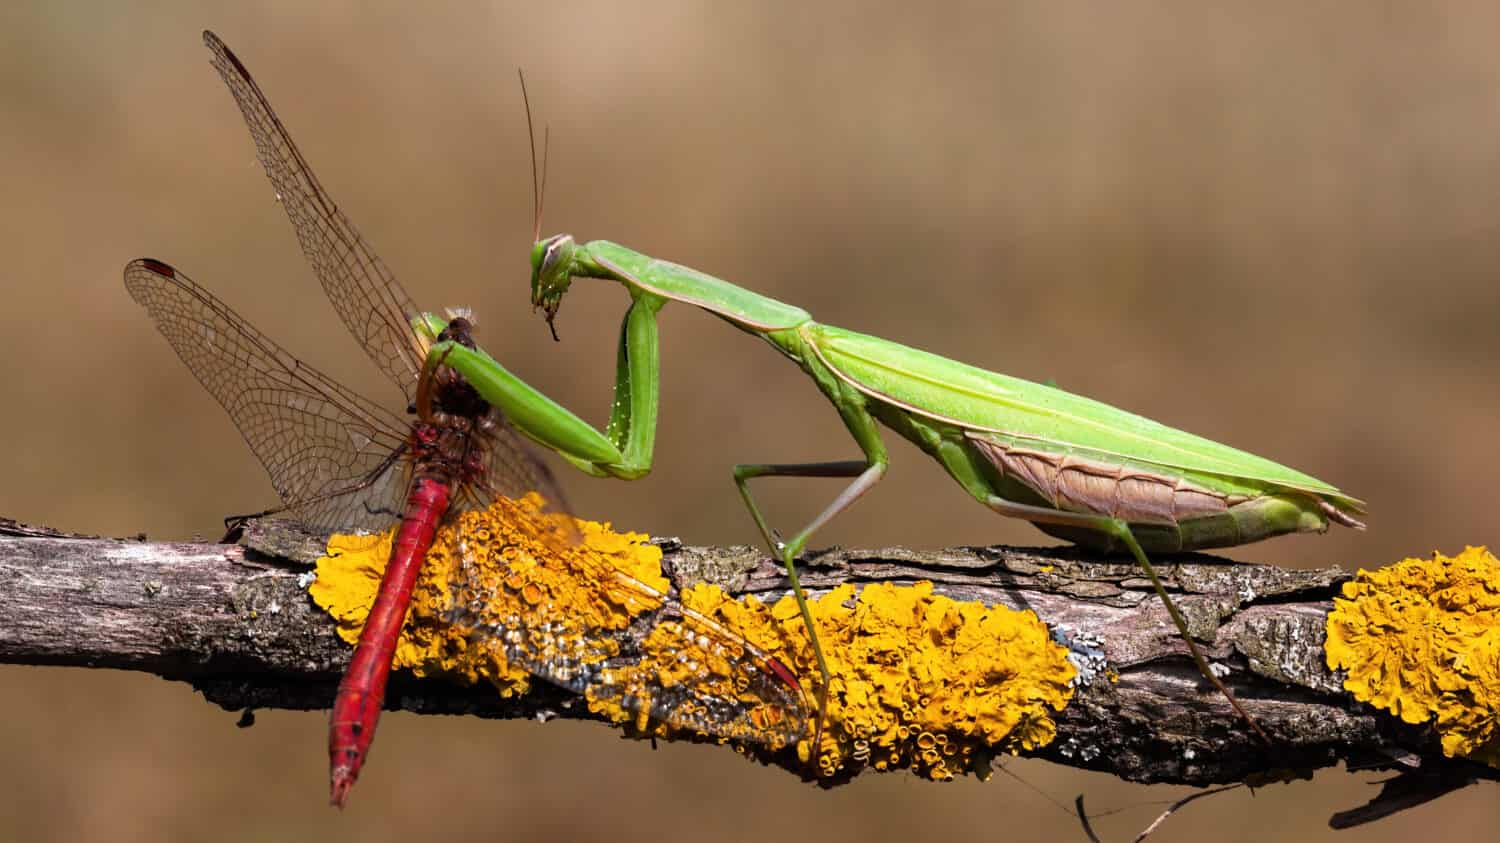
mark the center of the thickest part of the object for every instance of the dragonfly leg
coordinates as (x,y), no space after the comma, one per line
(1120,529)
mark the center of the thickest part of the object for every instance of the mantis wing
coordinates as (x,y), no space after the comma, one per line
(1046,418)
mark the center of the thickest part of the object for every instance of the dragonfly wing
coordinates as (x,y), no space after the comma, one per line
(369,503)
(724,686)
(370,301)
(334,457)
(696,675)
(513,467)
(516,468)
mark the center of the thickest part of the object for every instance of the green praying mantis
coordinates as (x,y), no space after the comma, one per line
(1077,468)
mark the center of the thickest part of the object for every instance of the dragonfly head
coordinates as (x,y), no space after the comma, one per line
(552,264)
(460,327)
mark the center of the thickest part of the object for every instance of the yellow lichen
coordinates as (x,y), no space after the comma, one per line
(919,680)
(485,570)
(1421,639)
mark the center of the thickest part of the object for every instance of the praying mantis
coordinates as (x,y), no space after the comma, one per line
(1078,469)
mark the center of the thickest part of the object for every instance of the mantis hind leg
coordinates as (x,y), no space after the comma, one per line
(1120,530)
(866,474)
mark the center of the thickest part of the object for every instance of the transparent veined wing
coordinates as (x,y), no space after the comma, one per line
(656,657)
(335,459)
(372,304)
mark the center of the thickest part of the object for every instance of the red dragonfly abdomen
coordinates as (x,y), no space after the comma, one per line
(361,694)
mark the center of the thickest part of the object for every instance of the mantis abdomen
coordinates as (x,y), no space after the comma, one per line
(1166,513)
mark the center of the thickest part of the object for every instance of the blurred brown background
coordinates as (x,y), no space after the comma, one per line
(1279,228)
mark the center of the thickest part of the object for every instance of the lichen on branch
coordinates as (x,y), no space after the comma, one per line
(918,680)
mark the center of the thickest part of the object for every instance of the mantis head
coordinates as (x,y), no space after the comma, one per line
(552,263)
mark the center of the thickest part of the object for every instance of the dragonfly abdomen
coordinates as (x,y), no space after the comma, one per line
(361,694)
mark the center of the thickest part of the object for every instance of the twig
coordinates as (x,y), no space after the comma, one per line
(236,622)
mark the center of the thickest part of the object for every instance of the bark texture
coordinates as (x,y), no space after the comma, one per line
(236,623)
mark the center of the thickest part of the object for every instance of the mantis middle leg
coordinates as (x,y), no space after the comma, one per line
(866,474)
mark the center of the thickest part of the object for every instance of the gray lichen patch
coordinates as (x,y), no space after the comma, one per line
(729,568)
(1253,583)
(1287,648)
(265,594)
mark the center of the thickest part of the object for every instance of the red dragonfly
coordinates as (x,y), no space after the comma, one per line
(341,462)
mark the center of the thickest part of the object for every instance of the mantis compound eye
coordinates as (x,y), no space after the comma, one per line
(552,267)
(556,252)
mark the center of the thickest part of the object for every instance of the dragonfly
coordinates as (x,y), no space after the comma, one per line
(341,462)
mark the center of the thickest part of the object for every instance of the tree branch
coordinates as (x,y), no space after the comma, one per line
(236,622)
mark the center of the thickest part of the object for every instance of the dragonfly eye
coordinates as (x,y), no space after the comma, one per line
(460,330)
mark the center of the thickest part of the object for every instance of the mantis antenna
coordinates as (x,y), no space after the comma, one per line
(538,186)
